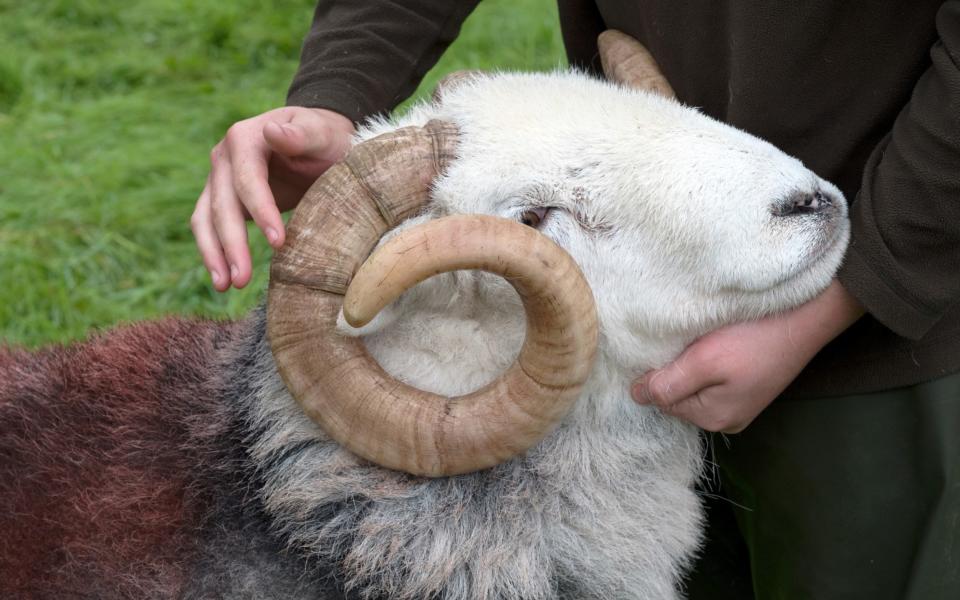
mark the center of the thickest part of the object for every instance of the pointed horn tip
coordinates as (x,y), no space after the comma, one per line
(613,36)
(615,45)
(541,389)
(628,62)
(366,296)
(355,314)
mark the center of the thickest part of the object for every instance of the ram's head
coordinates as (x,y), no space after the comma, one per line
(561,184)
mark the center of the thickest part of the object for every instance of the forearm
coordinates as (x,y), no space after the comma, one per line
(905,250)
(813,325)
(363,58)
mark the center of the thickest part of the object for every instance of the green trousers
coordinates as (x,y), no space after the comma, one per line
(846,497)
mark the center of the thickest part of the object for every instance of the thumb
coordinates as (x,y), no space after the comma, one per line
(677,381)
(310,134)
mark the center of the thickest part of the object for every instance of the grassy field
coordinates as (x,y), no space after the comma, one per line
(108,109)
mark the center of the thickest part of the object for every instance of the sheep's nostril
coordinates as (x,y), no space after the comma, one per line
(803,204)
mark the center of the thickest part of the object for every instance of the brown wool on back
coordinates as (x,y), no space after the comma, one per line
(98,442)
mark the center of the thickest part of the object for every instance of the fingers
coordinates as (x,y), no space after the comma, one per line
(247,163)
(679,380)
(279,152)
(201,222)
(710,410)
(228,221)
(289,139)
(320,134)
(695,389)
(237,185)
(693,400)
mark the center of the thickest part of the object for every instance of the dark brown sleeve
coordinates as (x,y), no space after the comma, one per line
(580,24)
(363,57)
(904,260)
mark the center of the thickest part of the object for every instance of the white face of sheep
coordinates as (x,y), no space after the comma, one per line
(679,223)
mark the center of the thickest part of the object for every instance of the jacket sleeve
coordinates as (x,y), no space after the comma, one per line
(363,57)
(580,24)
(904,260)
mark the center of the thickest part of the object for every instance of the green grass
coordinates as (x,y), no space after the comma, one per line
(108,109)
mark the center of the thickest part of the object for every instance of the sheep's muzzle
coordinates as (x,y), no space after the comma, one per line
(382,182)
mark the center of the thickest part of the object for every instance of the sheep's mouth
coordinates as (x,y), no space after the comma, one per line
(823,259)
(822,255)
(831,233)
(820,222)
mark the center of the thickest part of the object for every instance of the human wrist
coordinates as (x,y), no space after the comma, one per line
(824,317)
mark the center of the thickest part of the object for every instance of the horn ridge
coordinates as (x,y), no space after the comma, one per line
(628,62)
(539,389)
(348,208)
(342,388)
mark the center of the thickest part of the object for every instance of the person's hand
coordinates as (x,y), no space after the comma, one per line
(723,380)
(262,166)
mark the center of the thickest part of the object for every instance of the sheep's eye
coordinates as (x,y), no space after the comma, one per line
(533,217)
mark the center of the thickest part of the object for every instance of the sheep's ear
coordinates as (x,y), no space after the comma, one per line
(453,80)
(627,62)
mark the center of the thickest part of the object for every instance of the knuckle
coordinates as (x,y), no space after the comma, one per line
(245,184)
(674,410)
(230,245)
(324,128)
(736,425)
(281,112)
(708,356)
(718,423)
(215,153)
(239,132)
(242,184)
(234,131)
(216,207)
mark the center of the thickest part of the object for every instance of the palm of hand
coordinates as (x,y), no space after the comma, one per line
(725,379)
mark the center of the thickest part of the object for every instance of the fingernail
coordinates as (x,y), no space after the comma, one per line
(639,393)
(272,235)
(215,277)
(234,271)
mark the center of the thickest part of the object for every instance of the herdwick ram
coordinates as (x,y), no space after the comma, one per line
(273,458)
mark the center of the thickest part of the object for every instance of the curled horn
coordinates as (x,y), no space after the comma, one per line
(626,61)
(380,183)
